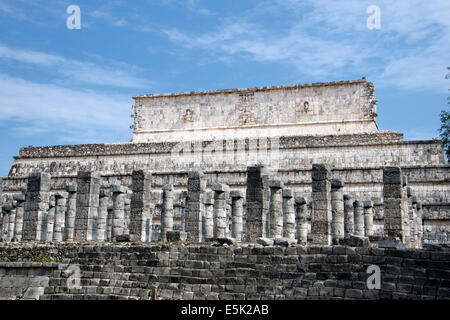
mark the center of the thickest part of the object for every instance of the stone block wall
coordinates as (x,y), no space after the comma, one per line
(253,272)
(25,280)
(289,152)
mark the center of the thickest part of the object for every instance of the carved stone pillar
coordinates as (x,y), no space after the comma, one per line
(195,205)
(208,221)
(141,216)
(220,214)
(301,220)
(276,208)
(60,216)
(50,218)
(36,204)
(103,216)
(288,214)
(394,202)
(88,190)
(237,212)
(71,212)
(349,221)
(321,209)
(368,218)
(167,211)
(257,203)
(337,207)
(118,193)
(18,227)
(358,211)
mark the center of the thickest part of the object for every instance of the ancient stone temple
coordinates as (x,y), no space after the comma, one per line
(222,133)
(280,173)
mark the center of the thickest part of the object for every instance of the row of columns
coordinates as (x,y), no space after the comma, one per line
(206,218)
(402,211)
(335,215)
(285,216)
(82,213)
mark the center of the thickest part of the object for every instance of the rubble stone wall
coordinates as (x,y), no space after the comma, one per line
(127,271)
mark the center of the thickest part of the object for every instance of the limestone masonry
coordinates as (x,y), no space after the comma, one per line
(295,179)
(327,108)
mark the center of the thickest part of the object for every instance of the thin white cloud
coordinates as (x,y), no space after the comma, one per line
(105,13)
(122,22)
(309,53)
(71,115)
(195,6)
(421,70)
(331,38)
(86,72)
(33,11)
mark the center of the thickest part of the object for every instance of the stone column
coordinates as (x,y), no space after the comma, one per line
(321,215)
(257,202)
(288,214)
(220,213)
(166,211)
(50,218)
(301,220)
(88,190)
(2,224)
(127,212)
(358,212)
(237,213)
(183,198)
(368,218)
(109,223)
(407,227)
(394,202)
(195,207)
(12,220)
(349,221)
(141,206)
(36,204)
(276,208)
(44,224)
(102,215)
(18,227)
(229,216)
(413,221)
(60,216)
(6,210)
(118,197)
(208,221)
(419,224)
(337,208)
(70,212)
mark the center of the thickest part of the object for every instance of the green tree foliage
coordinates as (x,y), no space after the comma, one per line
(444,131)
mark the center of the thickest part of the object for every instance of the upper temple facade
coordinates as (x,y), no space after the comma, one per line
(346,107)
(287,127)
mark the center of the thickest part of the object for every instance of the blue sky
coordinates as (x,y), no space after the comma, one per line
(62,86)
